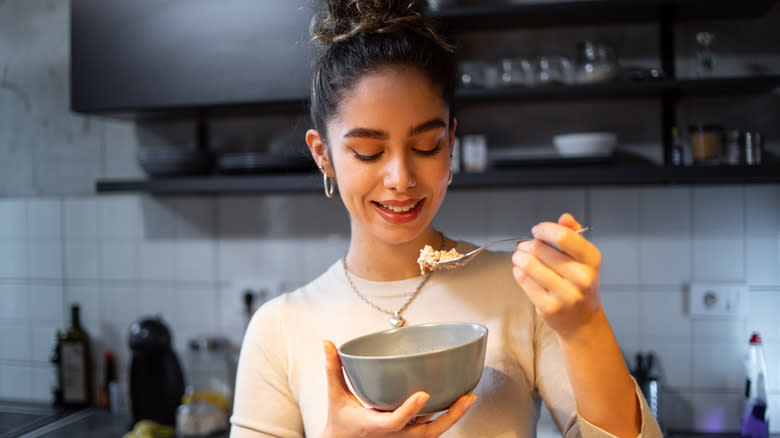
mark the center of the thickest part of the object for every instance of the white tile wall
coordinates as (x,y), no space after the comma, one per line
(665,240)
(762,216)
(614,218)
(719,233)
(118,255)
(124,257)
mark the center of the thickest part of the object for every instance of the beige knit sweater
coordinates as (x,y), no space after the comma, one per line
(281,388)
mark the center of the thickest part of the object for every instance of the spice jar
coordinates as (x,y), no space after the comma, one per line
(706,143)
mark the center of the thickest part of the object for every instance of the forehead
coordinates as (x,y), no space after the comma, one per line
(396,96)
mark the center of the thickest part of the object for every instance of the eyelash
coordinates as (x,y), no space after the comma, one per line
(421,152)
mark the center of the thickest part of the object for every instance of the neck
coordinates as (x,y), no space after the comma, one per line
(378,260)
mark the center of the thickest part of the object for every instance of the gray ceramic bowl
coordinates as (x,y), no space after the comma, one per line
(443,359)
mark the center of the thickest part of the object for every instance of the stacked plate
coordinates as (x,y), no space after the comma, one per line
(258,162)
(164,162)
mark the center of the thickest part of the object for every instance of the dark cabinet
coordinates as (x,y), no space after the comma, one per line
(145,57)
(200,57)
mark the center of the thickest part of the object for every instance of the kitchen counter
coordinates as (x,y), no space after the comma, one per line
(100,423)
(87,423)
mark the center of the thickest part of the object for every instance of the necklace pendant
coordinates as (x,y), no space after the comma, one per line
(397,320)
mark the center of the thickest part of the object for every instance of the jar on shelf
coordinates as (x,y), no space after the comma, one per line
(706,143)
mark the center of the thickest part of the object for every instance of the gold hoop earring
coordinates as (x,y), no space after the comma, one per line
(330,186)
(449,181)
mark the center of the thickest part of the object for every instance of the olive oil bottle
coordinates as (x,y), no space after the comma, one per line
(75,364)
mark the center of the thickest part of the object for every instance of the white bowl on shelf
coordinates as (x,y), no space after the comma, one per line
(585,144)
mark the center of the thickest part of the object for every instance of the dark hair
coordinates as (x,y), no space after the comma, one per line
(366,36)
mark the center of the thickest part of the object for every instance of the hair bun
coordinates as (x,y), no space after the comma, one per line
(339,20)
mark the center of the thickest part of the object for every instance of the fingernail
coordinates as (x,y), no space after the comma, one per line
(535,230)
(423,398)
(472,398)
(326,348)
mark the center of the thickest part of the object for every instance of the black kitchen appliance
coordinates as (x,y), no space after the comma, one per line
(156,379)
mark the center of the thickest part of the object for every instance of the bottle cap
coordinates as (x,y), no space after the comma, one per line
(755,338)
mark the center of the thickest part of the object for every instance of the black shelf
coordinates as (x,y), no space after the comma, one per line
(492,179)
(575,13)
(625,89)
(725,86)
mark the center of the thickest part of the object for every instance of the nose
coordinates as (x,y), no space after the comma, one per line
(399,175)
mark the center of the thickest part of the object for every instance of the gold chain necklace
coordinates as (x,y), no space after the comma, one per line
(396,320)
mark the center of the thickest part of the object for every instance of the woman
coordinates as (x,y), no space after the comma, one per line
(381,106)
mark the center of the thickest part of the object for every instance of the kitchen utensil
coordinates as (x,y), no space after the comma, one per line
(465,258)
(585,144)
(471,73)
(552,70)
(516,72)
(443,359)
(753,146)
(596,62)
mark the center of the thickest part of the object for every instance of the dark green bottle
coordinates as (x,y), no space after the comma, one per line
(75,364)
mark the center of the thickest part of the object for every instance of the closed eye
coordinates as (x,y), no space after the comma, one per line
(431,151)
(367,157)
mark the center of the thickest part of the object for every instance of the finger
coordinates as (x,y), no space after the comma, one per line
(422,419)
(567,220)
(546,278)
(539,296)
(579,274)
(568,241)
(337,385)
(404,414)
(449,418)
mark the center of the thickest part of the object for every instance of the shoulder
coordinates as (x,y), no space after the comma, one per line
(285,309)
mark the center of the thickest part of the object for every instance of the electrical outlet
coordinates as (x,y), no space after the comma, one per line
(724,300)
(260,289)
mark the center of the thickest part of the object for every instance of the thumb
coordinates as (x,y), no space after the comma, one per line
(568,221)
(337,385)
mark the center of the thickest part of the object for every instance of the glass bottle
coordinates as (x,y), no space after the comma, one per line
(75,363)
(678,152)
(109,376)
(54,358)
(705,57)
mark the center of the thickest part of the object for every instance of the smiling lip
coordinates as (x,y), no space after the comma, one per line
(399,217)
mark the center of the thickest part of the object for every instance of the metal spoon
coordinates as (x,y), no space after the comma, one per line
(465,258)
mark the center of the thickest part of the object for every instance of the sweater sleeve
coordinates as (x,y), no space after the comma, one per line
(264,406)
(553,385)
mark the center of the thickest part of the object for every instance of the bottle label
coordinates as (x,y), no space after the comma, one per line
(74,383)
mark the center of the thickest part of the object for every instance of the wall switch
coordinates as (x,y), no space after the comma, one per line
(723,300)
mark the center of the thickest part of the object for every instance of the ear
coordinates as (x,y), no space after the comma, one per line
(319,151)
(452,135)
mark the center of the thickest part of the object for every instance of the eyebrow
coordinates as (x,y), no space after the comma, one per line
(382,135)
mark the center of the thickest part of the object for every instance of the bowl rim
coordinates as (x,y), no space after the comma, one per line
(586,136)
(410,355)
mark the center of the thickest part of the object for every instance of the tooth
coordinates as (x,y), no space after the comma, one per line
(398,209)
